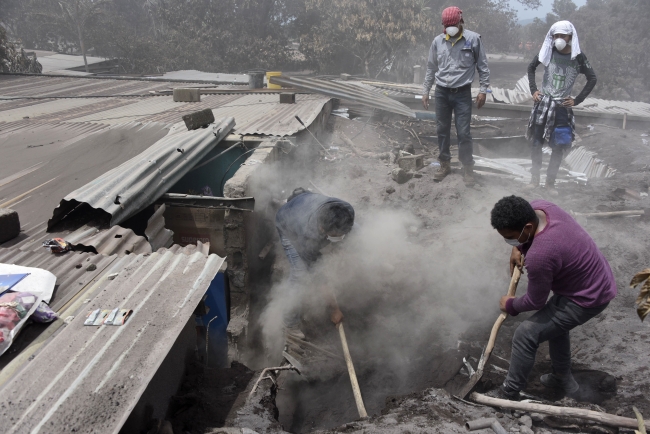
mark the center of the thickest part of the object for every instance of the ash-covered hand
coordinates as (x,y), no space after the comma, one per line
(569,102)
(425,101)
(502,303)
(537,96)
(336,315)
(480,100)
(516,260)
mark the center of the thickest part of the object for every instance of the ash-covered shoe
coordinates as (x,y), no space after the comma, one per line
(534,183)
(504,392)
(443,171)
(550,188)
(468,176)
(563,382)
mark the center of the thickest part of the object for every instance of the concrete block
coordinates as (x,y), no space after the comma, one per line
(199,119)
(187,95)
(411,162)
(287,98)
(9,224)
(345,76)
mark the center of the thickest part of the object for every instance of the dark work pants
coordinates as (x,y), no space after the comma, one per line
(552,323)
(557,152)
(458,102)
(295,286)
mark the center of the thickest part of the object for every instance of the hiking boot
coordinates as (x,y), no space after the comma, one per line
(565,382)
(294,331)
(534,182)
(468,176)
(443,171)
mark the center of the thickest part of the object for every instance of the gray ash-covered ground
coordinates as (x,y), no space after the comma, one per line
(610,352)
(429,298)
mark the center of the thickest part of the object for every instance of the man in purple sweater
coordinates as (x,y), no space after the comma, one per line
(561,257)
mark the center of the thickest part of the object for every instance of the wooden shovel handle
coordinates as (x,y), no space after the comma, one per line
(512,290)
(353,376)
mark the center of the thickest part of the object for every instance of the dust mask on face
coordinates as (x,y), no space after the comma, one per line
(515,242)
(560,44)
(452,31)
(335,239)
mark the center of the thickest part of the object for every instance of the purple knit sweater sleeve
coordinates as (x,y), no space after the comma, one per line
(540,283)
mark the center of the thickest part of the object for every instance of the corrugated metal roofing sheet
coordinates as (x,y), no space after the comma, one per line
(157,235)
(46,108)
(115,240)
(352,91)
(192,74)
(104,102)
(73,270)
(95,383)
(138,182)
(41,164)
(263,114)
(57,62)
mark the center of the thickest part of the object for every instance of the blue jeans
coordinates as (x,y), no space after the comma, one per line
(552,323)
(294,288)
(458,101)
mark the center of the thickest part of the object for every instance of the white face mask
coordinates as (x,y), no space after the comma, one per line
(560,44)
(515,242)
(335,239)
(452,31)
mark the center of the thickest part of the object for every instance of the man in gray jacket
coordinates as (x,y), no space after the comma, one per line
(454,57)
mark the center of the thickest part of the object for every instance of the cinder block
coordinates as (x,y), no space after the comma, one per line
(199,119)
(287,98)
(345,76)
(9,224)
(187,95)
(411,162)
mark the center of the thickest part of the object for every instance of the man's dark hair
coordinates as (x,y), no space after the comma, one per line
(512,212)
(336,216)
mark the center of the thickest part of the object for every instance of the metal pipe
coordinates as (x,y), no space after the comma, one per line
(488,422)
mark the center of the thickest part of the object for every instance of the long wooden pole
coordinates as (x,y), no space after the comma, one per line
(353,376)
(594,416)
(512,290)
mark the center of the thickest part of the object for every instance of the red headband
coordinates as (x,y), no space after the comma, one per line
(451,16)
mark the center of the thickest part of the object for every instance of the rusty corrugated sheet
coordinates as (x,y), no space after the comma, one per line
(137,183)
(96,381)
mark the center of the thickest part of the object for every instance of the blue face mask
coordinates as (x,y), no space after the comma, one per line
(515,242)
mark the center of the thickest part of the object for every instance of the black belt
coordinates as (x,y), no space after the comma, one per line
(455,89)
